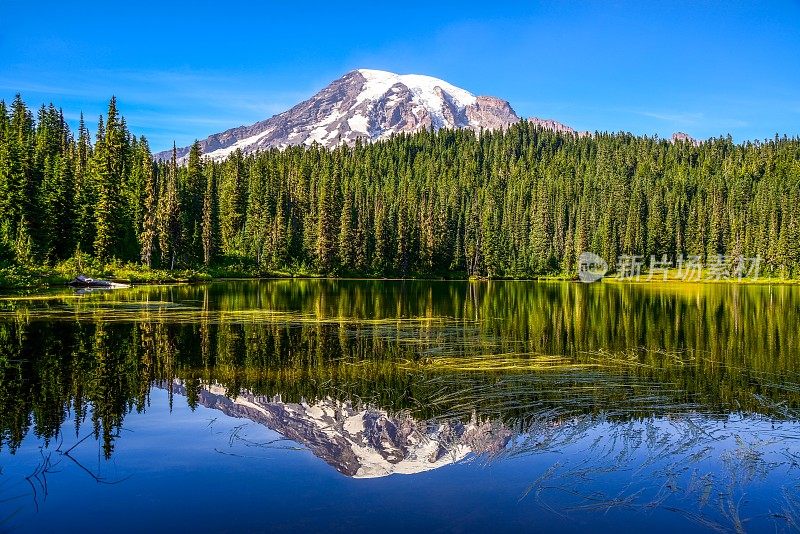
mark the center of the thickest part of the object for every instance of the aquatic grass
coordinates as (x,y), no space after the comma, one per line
(179,313)
(665,460)
(8,496)
(790,512)
(493,363)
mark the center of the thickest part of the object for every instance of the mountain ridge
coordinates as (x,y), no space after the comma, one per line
(372,105)
(364,104)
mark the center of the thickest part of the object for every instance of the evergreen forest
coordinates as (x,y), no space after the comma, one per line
(522,202)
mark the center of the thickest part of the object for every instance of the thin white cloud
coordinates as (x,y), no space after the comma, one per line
(696,119)
(682,117)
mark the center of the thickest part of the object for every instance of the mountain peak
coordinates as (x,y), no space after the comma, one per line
(427,88)
(364,104)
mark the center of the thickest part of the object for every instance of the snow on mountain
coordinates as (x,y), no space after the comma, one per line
(361,442)
(433,94)
(363,104)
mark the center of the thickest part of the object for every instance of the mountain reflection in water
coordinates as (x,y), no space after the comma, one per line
(580,401)
(366,442)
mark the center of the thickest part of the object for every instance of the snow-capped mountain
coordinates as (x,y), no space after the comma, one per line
(372,105)
(365,104)
(361,442)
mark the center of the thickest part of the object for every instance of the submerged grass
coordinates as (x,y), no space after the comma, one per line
(493,363)
(699,468)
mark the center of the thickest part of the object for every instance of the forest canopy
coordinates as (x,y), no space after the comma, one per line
(519,202)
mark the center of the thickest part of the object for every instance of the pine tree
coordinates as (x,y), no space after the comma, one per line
(347,245)
(192,198)
(169,228)
(325,247)
(209,225)
(110,167)
(232,204)
(149,232)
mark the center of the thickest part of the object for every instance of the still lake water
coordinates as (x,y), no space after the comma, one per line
(321,405)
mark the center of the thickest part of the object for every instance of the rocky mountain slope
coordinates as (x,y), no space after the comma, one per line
(371,105)
(365,104)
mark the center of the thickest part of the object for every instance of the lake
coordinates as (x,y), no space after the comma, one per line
(355,406)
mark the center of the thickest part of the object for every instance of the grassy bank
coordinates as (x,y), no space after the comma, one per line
(14,276)
(702,276)
(34,276)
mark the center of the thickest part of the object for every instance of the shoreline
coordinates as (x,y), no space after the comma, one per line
(55,280)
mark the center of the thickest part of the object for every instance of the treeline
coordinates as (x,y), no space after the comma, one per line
(515,203)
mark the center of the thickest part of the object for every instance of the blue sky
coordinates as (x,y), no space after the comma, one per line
(183,70)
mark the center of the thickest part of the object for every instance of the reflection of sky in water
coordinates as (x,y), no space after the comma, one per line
(177,469)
